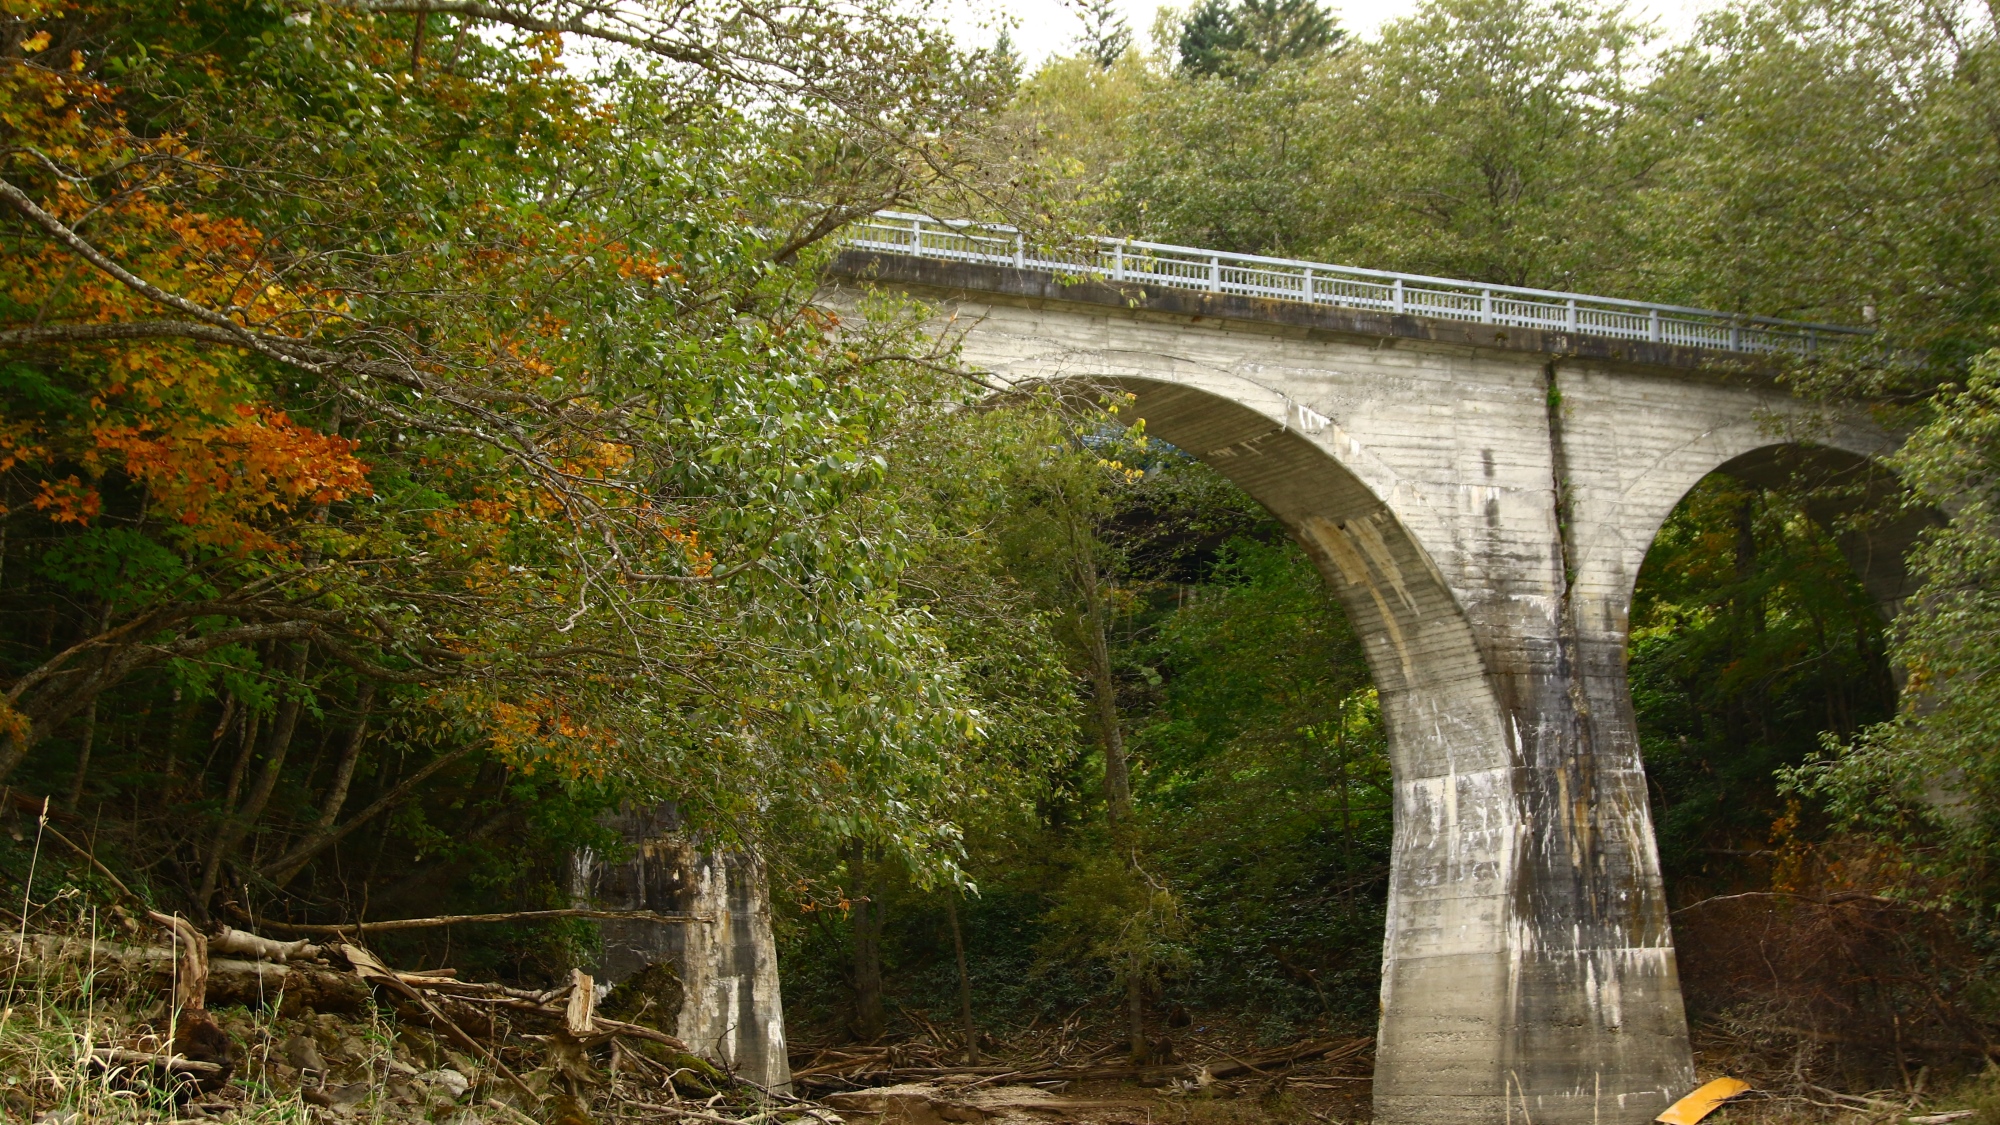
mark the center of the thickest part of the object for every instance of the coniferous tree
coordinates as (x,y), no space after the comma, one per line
(1106,35)
(1220,38)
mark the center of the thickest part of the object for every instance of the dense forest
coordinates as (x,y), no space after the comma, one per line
(420,440)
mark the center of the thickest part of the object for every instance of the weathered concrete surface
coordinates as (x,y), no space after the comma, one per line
(728,1006)
(1481,499)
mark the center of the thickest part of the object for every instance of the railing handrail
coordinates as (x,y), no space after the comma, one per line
(1017,254)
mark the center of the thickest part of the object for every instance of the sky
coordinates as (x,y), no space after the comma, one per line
(1050,27)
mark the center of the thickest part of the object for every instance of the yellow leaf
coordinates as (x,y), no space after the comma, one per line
(1701,1103)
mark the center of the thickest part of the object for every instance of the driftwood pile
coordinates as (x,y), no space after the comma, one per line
(831,1069)
(533,1053)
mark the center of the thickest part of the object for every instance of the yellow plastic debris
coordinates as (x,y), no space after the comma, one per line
(1701,1103)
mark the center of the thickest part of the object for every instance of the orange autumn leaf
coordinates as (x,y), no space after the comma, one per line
(216,478)
(68,500)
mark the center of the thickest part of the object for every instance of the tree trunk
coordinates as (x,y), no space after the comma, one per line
(1117,794)
(321,835)
(343,773)
(964,981)
(83,756)
(1104,689)
(287,867)
(866,923)
(241,821)
(1135,1010)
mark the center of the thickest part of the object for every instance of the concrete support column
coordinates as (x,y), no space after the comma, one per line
(1599,1032)
(1528,968)
(720,978)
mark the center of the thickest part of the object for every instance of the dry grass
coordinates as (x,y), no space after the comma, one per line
(56,1013)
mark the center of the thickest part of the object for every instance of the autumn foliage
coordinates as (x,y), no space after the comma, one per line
(461,410)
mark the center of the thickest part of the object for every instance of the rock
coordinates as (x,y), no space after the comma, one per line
(302,1051)
(350,1094)
(447,1079)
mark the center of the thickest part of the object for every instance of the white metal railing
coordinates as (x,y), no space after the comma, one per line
(1317,283)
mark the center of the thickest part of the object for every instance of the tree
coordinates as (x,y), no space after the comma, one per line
(1242,39)
(1750,635)
(1106,35)
(1852,144)
(1475,139)
(1057,543)
(478,406)
(1926,784)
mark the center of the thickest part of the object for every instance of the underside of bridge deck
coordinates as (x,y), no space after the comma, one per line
(1481,506)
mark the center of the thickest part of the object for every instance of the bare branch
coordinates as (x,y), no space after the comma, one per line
(462,919)
(288,865)
(125,330)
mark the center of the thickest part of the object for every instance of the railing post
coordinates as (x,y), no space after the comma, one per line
(1735,336)
(1214,274)
(1569,314)
(1118,260)
(1486,306)
(1309,285)
(1020,252)
(1396,295)
(1812,342)
(1653,325)
(917,237)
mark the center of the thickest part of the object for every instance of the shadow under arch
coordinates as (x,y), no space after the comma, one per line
(1841,484)
(1410,622)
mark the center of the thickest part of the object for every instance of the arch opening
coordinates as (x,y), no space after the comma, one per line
(1759,626)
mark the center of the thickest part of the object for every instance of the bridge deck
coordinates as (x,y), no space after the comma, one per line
(1557,314)
(959,278)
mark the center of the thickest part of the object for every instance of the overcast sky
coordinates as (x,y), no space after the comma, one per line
(1048,27)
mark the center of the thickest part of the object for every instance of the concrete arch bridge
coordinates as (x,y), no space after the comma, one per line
(1478,472)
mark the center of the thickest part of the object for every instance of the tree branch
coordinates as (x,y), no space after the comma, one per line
(118,330)
(703,57)
(287,866)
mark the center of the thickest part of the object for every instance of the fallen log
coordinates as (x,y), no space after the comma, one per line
(351,929)
(260,948)
(111,1058)
(145,968)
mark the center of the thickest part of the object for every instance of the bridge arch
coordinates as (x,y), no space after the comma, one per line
(1410,621)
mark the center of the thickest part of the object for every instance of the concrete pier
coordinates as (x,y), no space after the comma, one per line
(718,978)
